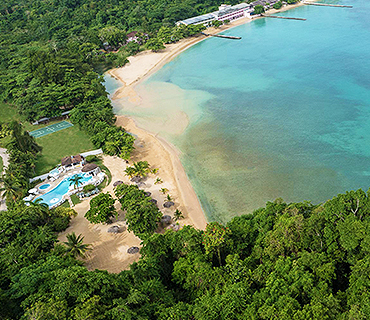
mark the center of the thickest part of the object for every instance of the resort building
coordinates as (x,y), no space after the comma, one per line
(225,12)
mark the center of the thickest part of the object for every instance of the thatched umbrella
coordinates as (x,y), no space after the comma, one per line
(166,219)
(133,250)
(89,167)
(135,179)
(148,194)
(168,204)
(114,229)
(117,183)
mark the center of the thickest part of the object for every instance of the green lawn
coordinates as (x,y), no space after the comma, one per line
(60,144)
(55,146)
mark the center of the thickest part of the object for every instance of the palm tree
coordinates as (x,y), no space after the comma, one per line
(75,180)
(178,215)
(11,189)
(141,168)
(164,190)
(75,246)
(169,197)
(130,171)
(158,180)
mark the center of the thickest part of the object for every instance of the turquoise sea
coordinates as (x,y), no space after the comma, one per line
(284,112)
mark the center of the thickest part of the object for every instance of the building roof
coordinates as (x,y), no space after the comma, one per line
(89,167)
(66,161)
(199,19)
(232,9)
(77,159)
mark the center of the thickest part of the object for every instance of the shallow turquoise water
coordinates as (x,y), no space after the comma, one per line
(287,113)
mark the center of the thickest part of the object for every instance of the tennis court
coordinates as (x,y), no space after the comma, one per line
(51,129)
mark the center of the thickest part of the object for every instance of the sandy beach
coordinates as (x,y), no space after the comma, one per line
(159,152)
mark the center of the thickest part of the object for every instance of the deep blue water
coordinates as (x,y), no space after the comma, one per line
(290,110)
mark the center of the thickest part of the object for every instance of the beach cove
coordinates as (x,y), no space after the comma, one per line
(243,138)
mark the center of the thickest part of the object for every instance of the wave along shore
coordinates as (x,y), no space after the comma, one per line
(159,152)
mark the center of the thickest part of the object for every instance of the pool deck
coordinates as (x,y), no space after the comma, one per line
(56,182)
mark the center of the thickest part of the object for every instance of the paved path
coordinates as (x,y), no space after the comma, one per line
(5,157)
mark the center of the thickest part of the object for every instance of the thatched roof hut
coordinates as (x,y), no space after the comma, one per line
(133,250)
(168,204)
(66,161)
(89,167)
(77,159)
(117,183)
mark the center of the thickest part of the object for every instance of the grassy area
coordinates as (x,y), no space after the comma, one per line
(60,144)
(75,199)
(55,146)
(1,165)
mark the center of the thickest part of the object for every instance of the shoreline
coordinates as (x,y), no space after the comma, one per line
(139,68)
(162,155)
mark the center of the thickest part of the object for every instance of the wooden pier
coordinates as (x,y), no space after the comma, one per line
(221,36)
(280,17)
(326,5)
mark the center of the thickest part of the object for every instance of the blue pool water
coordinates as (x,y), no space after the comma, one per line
(284,112)
(44,186)
(55,195)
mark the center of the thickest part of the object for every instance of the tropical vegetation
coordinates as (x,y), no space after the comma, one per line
(283,261)
(142,215)
(101,209)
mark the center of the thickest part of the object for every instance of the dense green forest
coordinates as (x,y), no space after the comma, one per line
(284,261)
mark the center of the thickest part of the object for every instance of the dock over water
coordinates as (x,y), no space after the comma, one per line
(221,36)
(280,17)
(326,5)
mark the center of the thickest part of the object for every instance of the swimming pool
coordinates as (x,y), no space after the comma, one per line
(44,186)
(55,195)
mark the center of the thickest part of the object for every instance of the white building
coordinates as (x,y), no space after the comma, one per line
(225,12)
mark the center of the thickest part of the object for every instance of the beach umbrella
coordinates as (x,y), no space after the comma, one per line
(114,229)
(33,190)
(117,183)
(166,219)
(135,179)
(168,204)
(141,184)
(133,250)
